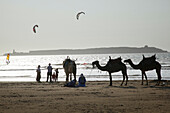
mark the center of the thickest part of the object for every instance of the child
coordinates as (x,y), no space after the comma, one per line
(38,74)
(54,76)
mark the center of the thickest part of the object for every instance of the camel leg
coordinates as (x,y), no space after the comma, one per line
(110,79)
(142,78)
(158,71)
(67,77)
(124,72)
(146,78)
(74,76)
(126,79)
(123,80)
(71,77)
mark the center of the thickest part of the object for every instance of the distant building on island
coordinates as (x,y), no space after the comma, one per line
(146,46)
(104,50)
(14,53)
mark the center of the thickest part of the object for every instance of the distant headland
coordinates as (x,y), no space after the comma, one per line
(103,50)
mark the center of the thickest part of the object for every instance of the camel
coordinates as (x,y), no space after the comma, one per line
(113,65)
(147,64)
(69,68)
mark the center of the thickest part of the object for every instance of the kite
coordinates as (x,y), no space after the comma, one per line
(7,59)
(77,16)
(34,28)
(85,63)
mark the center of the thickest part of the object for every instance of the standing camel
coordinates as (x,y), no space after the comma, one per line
(113,65)
(147,64)
(69,68)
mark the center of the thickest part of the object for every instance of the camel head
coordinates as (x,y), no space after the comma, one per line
(94,63)
(128,61)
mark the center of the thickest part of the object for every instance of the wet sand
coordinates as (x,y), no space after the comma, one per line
(97,97)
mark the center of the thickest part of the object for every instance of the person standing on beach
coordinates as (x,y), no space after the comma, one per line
(56,70)
(38,74)
(49,73)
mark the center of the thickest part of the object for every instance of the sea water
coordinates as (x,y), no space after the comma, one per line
(23,68)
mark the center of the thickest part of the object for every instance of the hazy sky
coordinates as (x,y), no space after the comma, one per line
(107,23)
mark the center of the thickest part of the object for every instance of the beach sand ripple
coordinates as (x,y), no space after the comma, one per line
(97,97)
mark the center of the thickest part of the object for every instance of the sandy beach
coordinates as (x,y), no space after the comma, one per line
(97,97)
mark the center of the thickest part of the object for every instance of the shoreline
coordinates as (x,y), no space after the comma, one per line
(96,97)
(87,81)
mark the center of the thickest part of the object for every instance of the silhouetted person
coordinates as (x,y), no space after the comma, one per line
(38,74)
(82,81)
(49,73)
(66,62)
(71,83)
(56,70)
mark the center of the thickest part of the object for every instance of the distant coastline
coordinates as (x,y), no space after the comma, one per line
(103,50)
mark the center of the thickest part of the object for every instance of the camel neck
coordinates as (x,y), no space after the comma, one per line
(102,68)
(133,65)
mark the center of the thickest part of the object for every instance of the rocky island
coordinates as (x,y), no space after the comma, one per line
(103,50)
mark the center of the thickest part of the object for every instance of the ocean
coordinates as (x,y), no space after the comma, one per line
(23,68)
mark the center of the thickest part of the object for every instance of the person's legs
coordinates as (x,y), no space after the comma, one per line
(50,76)
(47,76)
(38,78)
(55,78)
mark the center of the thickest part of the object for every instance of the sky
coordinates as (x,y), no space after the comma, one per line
(106,23)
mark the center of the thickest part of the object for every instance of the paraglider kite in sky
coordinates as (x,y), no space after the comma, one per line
(34,28)
(78,14)
(7,59)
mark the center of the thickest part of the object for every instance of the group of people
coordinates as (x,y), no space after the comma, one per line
(54,76)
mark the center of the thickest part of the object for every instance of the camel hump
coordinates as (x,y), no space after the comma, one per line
(117,60)
(67,62)
(148,60)
(152,58)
